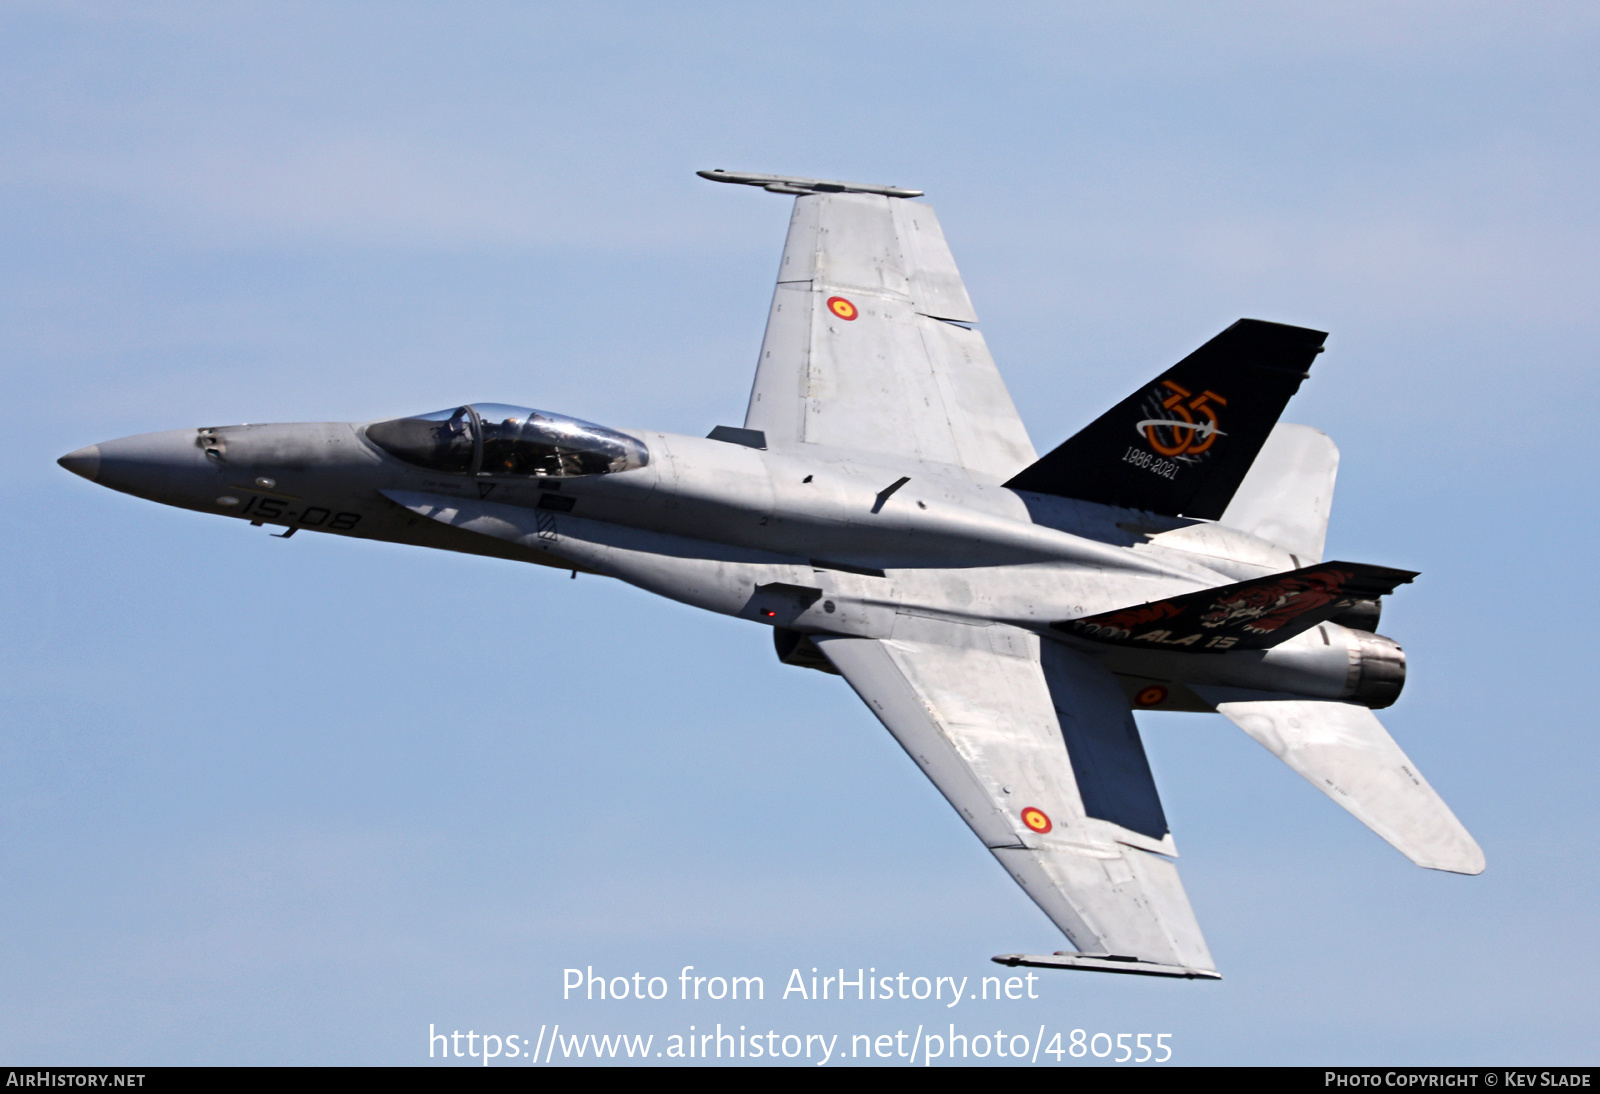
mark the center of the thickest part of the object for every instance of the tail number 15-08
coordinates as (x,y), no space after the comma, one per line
(312,516)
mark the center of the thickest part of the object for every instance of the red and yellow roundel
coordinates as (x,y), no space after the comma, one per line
(1150,696)
(1036,820)
(841,307)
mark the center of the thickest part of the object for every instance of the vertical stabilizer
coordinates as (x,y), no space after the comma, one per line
(1182,444)
(1288,493)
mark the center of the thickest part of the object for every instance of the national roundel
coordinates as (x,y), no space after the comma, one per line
(1151,696)
(841,307)
(1036,820)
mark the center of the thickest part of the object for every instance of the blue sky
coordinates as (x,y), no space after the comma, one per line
(270,802)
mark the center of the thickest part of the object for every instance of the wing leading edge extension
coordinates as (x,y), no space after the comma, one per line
(1037,751)
(866,345)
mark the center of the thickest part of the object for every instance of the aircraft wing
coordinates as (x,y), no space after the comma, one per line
(1035,746)
(866,346)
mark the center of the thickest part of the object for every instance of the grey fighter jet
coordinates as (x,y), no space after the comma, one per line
(882,511)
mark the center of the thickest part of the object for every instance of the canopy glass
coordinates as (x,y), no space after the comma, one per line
(495,439)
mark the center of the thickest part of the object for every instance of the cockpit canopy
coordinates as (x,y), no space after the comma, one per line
(495,439)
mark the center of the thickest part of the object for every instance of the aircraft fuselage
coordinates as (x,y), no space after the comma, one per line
(807,538)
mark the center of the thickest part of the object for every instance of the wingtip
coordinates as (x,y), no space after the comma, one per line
(1101,962)
(795,184)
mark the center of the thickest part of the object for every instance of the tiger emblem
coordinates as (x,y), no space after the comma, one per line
(1263,609)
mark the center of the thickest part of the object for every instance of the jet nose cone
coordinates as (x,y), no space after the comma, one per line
(85,462)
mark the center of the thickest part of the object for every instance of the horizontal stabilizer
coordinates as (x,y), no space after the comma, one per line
(1344,751)
(1181,445)
(1103,962)
(1249,615)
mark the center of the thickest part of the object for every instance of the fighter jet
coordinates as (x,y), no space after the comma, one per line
(883,513)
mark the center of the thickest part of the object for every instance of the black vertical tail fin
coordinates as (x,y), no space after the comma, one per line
(1182,444)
